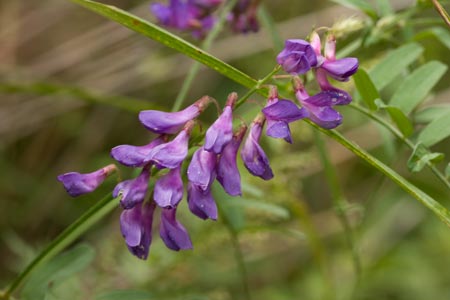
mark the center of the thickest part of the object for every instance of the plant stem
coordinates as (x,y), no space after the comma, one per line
(206,45)
(70,234)
(400,136)
(339,202)
(240,262)
(441,10)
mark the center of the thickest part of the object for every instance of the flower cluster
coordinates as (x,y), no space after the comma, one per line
(216,157)
(196,16)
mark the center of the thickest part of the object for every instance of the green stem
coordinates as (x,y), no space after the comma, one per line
(70,234)
(339,202)
(400,136)
(441,10)
(240,262)
(206,45)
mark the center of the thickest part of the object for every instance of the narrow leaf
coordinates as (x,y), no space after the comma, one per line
(447,171)
(436,131)
(398,117)
(56,270)
(366,88)
(166,38)
(431,113)
(416,86)
(437,32)
(268,208)
(359,5)
(421,157)
(394,64)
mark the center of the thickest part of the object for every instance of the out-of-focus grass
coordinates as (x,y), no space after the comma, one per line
(403,248)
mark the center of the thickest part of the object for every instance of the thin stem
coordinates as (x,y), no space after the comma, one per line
(257,86)
(206,45)
(400,136)
(70,234)
(339,202)
(240,262)
(441,10)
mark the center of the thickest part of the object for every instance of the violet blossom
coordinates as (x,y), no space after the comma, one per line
(202,168)
(243,16)
(168,190)
(133,191)
(172,232)
(297,57)
(134,156)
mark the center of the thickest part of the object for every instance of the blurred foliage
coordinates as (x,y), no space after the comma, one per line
(59,65)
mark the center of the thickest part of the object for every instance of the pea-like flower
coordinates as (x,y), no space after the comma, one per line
(253,156)
(202,168)
(243,17)
(133,191)
(297,57)
(201,202)
(221,131)
(77,184)
(172,232)
(136,227)
(279,113)
(135,156)
(227,171)
(172,122)
(168,190)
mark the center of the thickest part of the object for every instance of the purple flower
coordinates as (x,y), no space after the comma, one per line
(134,156)
(202,169)
(253,156)
(171,155)
(201,202)
(206,4)
(221,131)
(227,170)
(133,191)
(176,14)
(168,190)
(319,106)
(279,113)
(136,227)
(243,16)
(341,69)
(297,57)
(172,232)
(77,184)
(171,122)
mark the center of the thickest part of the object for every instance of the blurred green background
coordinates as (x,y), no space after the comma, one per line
(60,66)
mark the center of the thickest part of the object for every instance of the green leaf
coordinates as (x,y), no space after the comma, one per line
(166,38)
(416,86)
(57,270)
(398,117)
(384,7)
(359,5)
(421,157)
(447,171)
(125,295)
(366,88)
(431,113)
(394,64)
(438,32)
(269,208)
(436,131)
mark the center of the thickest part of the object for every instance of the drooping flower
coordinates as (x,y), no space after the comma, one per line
(172,232)
(133,191)
(319,106)
(253,156)
(297,57)
(243,17)
(279,113)
(136,227)
(171,155)
(171,122)
(77,184)
(227,170)
(201,203)
(202,168)
(134,156)
(221,131)
(168,190)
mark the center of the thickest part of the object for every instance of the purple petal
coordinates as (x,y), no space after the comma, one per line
(134,156)
(162,13)
(202,168)
(284,110)
(133,191)
(297,57)
(174,235)
(136,228)
(227,170)
(253,156)
(201,203)
(220,132)
(168,122)
(325,116)
(169,189)
(329,98)
(341,69)
(279,130)
(77,184)
(170,155)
